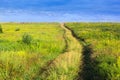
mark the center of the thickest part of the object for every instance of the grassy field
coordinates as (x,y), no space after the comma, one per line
(53,51)
(26,47)
(101,49)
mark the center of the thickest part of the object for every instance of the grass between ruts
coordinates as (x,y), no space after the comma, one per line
(66,65)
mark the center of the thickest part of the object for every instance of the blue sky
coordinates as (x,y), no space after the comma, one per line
(59,10)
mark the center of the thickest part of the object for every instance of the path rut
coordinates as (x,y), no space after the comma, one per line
(66,65)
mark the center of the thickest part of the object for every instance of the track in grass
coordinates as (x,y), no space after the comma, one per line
(100,47)
(65,66)
(86,71)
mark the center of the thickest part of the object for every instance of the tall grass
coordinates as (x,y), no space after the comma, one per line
(104,39)
(20,61)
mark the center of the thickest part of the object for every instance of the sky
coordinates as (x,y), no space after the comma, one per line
(59,10)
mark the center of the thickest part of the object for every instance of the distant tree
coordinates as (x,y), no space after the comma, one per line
(1,31)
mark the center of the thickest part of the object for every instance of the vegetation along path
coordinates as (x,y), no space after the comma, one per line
(66,65)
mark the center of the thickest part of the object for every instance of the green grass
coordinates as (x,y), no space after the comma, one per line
(104,39)
(21,61)
(26,49)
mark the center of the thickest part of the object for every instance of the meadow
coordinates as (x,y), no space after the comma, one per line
(26,47)
(53,51)
(101,50)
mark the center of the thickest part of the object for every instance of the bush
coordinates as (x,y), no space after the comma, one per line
(105,66)
(17,29)
(26,38)
(1,31)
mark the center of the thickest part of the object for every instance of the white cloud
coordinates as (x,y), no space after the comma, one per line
(49,16)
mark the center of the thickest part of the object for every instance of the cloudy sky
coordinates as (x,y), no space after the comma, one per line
(59,10)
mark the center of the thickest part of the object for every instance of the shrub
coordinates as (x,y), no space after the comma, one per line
(26,38)
(1,31)
(105,67)
(17,29)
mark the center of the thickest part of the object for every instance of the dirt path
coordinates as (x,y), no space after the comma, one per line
(66,65)
(73,43)
(87,67)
